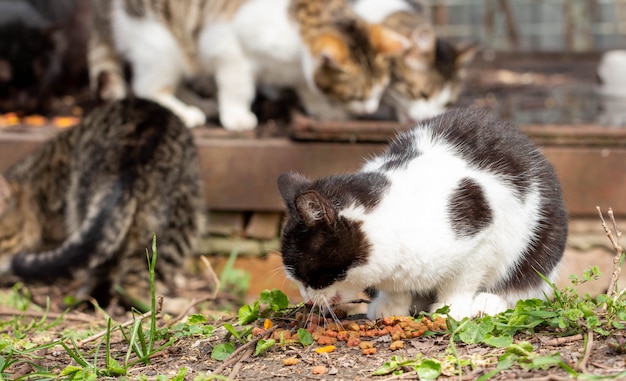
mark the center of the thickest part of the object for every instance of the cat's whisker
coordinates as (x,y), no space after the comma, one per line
(333,315)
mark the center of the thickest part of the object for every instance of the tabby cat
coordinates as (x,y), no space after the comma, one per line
(426,77)
(337,62)
(87,202)
(462,209)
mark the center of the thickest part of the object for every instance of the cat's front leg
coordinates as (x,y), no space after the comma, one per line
(387,304)
(236,91)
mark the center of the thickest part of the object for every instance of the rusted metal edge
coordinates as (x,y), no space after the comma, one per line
(306,129)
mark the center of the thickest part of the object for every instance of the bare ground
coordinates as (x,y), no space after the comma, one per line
(344,363)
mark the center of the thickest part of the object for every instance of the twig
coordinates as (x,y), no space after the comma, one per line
(562,340)
(125,324)
(209,273)
(582,365)
(234,357)
(239,364)
(615,238)
(48,315)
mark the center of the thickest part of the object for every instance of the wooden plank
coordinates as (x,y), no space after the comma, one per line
(226,223)
(264,225)
(240,174)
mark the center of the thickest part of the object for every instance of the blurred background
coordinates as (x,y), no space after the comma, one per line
(537,65)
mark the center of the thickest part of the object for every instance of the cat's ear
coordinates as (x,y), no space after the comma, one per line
(465,53)
(290,184)
(387,42)
(314,209)
(421,54)
(330,50)
(423,38)
(5,194)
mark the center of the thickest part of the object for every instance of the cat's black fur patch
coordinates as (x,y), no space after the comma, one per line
(486,148)
(468,209)
(320,248)
(400,152)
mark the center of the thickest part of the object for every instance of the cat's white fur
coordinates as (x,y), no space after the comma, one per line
(414,246)
(259,45)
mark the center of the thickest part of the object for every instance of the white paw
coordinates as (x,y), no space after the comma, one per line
(192,116)
(113,86)
(238,120)
(486,303)
(386,305)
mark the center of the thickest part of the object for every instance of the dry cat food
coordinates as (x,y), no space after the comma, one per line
(327,333)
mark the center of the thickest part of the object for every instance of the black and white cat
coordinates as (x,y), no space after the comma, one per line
(462,206)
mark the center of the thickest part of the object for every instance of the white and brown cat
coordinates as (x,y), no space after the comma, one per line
(463,209)
(338,63)
(426,78)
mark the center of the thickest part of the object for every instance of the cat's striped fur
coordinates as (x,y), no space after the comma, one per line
(85,204)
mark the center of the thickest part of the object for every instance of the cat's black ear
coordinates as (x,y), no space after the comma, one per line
(314,209)
(290,184)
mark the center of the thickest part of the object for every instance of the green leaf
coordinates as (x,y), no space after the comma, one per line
(248,313)
(304,337)
(196,319)
(71,369)
(498,341)
(232,330)
(474,331)
(222,351)
(428,369)
(263,345)
(546,362)
(522,349)
(387,368)
(504,362)
(275,298)
(114,367)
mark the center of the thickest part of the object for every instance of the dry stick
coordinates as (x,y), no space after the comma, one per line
(48,315)
(125,324)
(233,358)
(619,250)
(237,367)
(562,340)
(209,273)
(582,365)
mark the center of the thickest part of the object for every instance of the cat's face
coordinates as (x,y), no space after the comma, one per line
(319,246)
(422,87)
(350,65)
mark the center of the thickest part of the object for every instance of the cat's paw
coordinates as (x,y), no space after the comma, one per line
(386,305)
(486,303)
(111,86)
(238,120)
(192,116)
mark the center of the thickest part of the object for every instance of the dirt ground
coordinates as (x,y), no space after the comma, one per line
(344,363)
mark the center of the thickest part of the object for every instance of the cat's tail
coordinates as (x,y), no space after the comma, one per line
(100,235)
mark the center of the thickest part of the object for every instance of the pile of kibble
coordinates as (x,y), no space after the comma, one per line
(327,332)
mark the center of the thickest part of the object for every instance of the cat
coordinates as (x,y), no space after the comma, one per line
(337,63)
(426,77)
(30,57)
(85,205)
(462,206)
